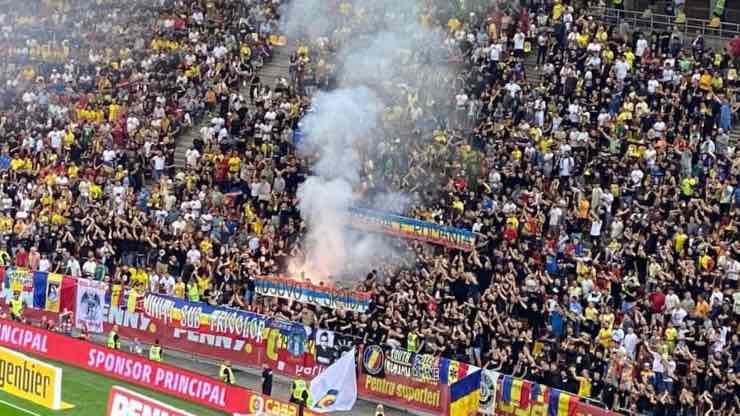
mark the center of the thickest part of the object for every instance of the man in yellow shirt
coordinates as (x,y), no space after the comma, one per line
(234,163)
(679,241)
(179,289)
(584,382)
(701,310)
(604,336)
(671,335)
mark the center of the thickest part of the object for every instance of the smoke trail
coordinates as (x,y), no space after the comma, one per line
(382,65)
(340,121)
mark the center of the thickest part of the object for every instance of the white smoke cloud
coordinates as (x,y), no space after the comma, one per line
(340,120)
(377,65)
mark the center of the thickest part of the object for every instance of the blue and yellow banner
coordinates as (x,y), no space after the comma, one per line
(412,229)
(305,292)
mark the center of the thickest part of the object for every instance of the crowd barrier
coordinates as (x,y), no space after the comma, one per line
(245,338)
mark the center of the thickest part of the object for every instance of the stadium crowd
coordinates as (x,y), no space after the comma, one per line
(602,185)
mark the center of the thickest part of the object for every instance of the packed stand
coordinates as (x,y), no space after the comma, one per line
(89,127)
(604,196)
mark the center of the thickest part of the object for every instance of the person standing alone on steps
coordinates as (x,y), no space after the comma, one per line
(254,86)
(267,381)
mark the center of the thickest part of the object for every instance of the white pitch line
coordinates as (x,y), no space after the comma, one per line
(19,408)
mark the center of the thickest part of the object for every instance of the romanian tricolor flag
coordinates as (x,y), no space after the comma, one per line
(562,403)
(539,393)
(452,371)
(517,391)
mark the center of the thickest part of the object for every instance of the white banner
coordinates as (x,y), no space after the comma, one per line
(488,383)
(90,305)
(336,388)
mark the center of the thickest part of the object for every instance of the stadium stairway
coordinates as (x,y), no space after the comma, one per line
(269,74)
(532,72)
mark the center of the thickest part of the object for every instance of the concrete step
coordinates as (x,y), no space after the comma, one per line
(271,71)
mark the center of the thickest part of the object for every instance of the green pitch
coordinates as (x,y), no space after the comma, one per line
(88,392)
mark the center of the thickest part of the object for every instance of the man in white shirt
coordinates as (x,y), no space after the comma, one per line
(716,299)
(513,88)
(556,213)
(640,47)
(88,269)
(566,167)
(153,282)
(178,226)
(44,263)
(519,44)
(629,343)
(193,256)
(167,283)
(494,52)
(109,155)
(621,68)
(192,156)
(678,315)
(73,267)
(159,165)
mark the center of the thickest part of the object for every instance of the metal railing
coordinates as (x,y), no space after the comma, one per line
(660,22)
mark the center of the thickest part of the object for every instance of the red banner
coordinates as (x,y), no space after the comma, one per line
(255,345)
(406,386)
(137,370)
(270,347)
(124,402)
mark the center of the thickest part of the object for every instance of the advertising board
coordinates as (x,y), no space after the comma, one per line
(31,379)
(124,402)
(137,370)
(408,380)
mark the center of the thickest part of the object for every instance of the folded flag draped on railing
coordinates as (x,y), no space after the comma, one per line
(519,391)
(523,394)
(562,403)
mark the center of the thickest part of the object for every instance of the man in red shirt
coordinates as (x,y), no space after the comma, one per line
(657,306)
(21,257)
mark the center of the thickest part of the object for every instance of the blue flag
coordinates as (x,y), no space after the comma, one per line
(506,389)
(39,289)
